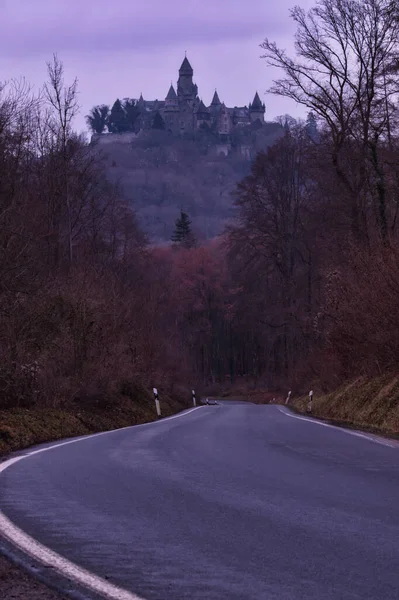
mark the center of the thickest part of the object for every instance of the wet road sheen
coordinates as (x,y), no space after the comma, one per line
(232,502)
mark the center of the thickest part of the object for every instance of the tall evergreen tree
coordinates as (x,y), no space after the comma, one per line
(97,118)
(183,235)
(311,126)
(132,113)
(117,120)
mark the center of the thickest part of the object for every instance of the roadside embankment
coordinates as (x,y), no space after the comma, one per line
(362,403)
(368,404)
(23,427)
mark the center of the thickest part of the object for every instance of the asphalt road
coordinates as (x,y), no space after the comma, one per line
(232,502)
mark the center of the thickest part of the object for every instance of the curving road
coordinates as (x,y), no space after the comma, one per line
(232,502)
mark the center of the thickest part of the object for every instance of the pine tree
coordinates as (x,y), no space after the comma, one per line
(132,113)
(183,235)
(158,122)
(117,121)
(311,126)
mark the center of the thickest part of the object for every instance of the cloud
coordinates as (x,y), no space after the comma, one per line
(45,26)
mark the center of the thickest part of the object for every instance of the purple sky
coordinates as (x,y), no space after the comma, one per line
(120,48)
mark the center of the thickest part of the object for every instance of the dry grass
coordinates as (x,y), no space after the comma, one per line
(371,404)
(363,403)
(24,427)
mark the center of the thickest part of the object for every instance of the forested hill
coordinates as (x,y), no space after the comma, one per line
(161,175)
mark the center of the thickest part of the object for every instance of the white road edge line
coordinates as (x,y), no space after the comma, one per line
(375,440)
(47,556)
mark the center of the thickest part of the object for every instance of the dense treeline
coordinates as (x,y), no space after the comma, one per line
(302,287)
(311,263)
(124,116)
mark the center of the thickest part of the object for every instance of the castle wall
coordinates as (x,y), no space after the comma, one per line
(257,115)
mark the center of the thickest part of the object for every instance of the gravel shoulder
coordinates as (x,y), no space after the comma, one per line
(16,584)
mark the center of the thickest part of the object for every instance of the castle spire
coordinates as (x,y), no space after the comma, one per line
(256,104)
(186,68)
(171,94)
(257,110)
(215,100)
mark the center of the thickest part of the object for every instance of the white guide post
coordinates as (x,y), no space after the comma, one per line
(157,405)
(310,401)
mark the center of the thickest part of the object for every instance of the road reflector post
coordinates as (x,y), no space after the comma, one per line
(157,404)
(309,409)
(288,397)
(194,398)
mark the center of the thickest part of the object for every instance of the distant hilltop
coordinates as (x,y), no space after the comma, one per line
(182,113)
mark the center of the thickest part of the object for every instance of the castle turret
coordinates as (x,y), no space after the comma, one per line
(171,111)
(257,110)
(187,91)
(186,69)
(171,98)
(215,100)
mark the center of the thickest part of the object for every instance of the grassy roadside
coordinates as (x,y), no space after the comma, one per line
(370,405)
(24,427)
(366,404)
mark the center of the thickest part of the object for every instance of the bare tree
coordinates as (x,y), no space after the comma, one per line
(62,100)
(270,239)
(343,73)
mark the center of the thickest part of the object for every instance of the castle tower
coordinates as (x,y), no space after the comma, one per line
(257,110)
(171,110)
(187,91)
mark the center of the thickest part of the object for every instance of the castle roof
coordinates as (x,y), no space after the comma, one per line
(215,100)
(256,104)
(186,68)
(202,108)
(171,94)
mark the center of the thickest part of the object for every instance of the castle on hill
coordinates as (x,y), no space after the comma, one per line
(183,112)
